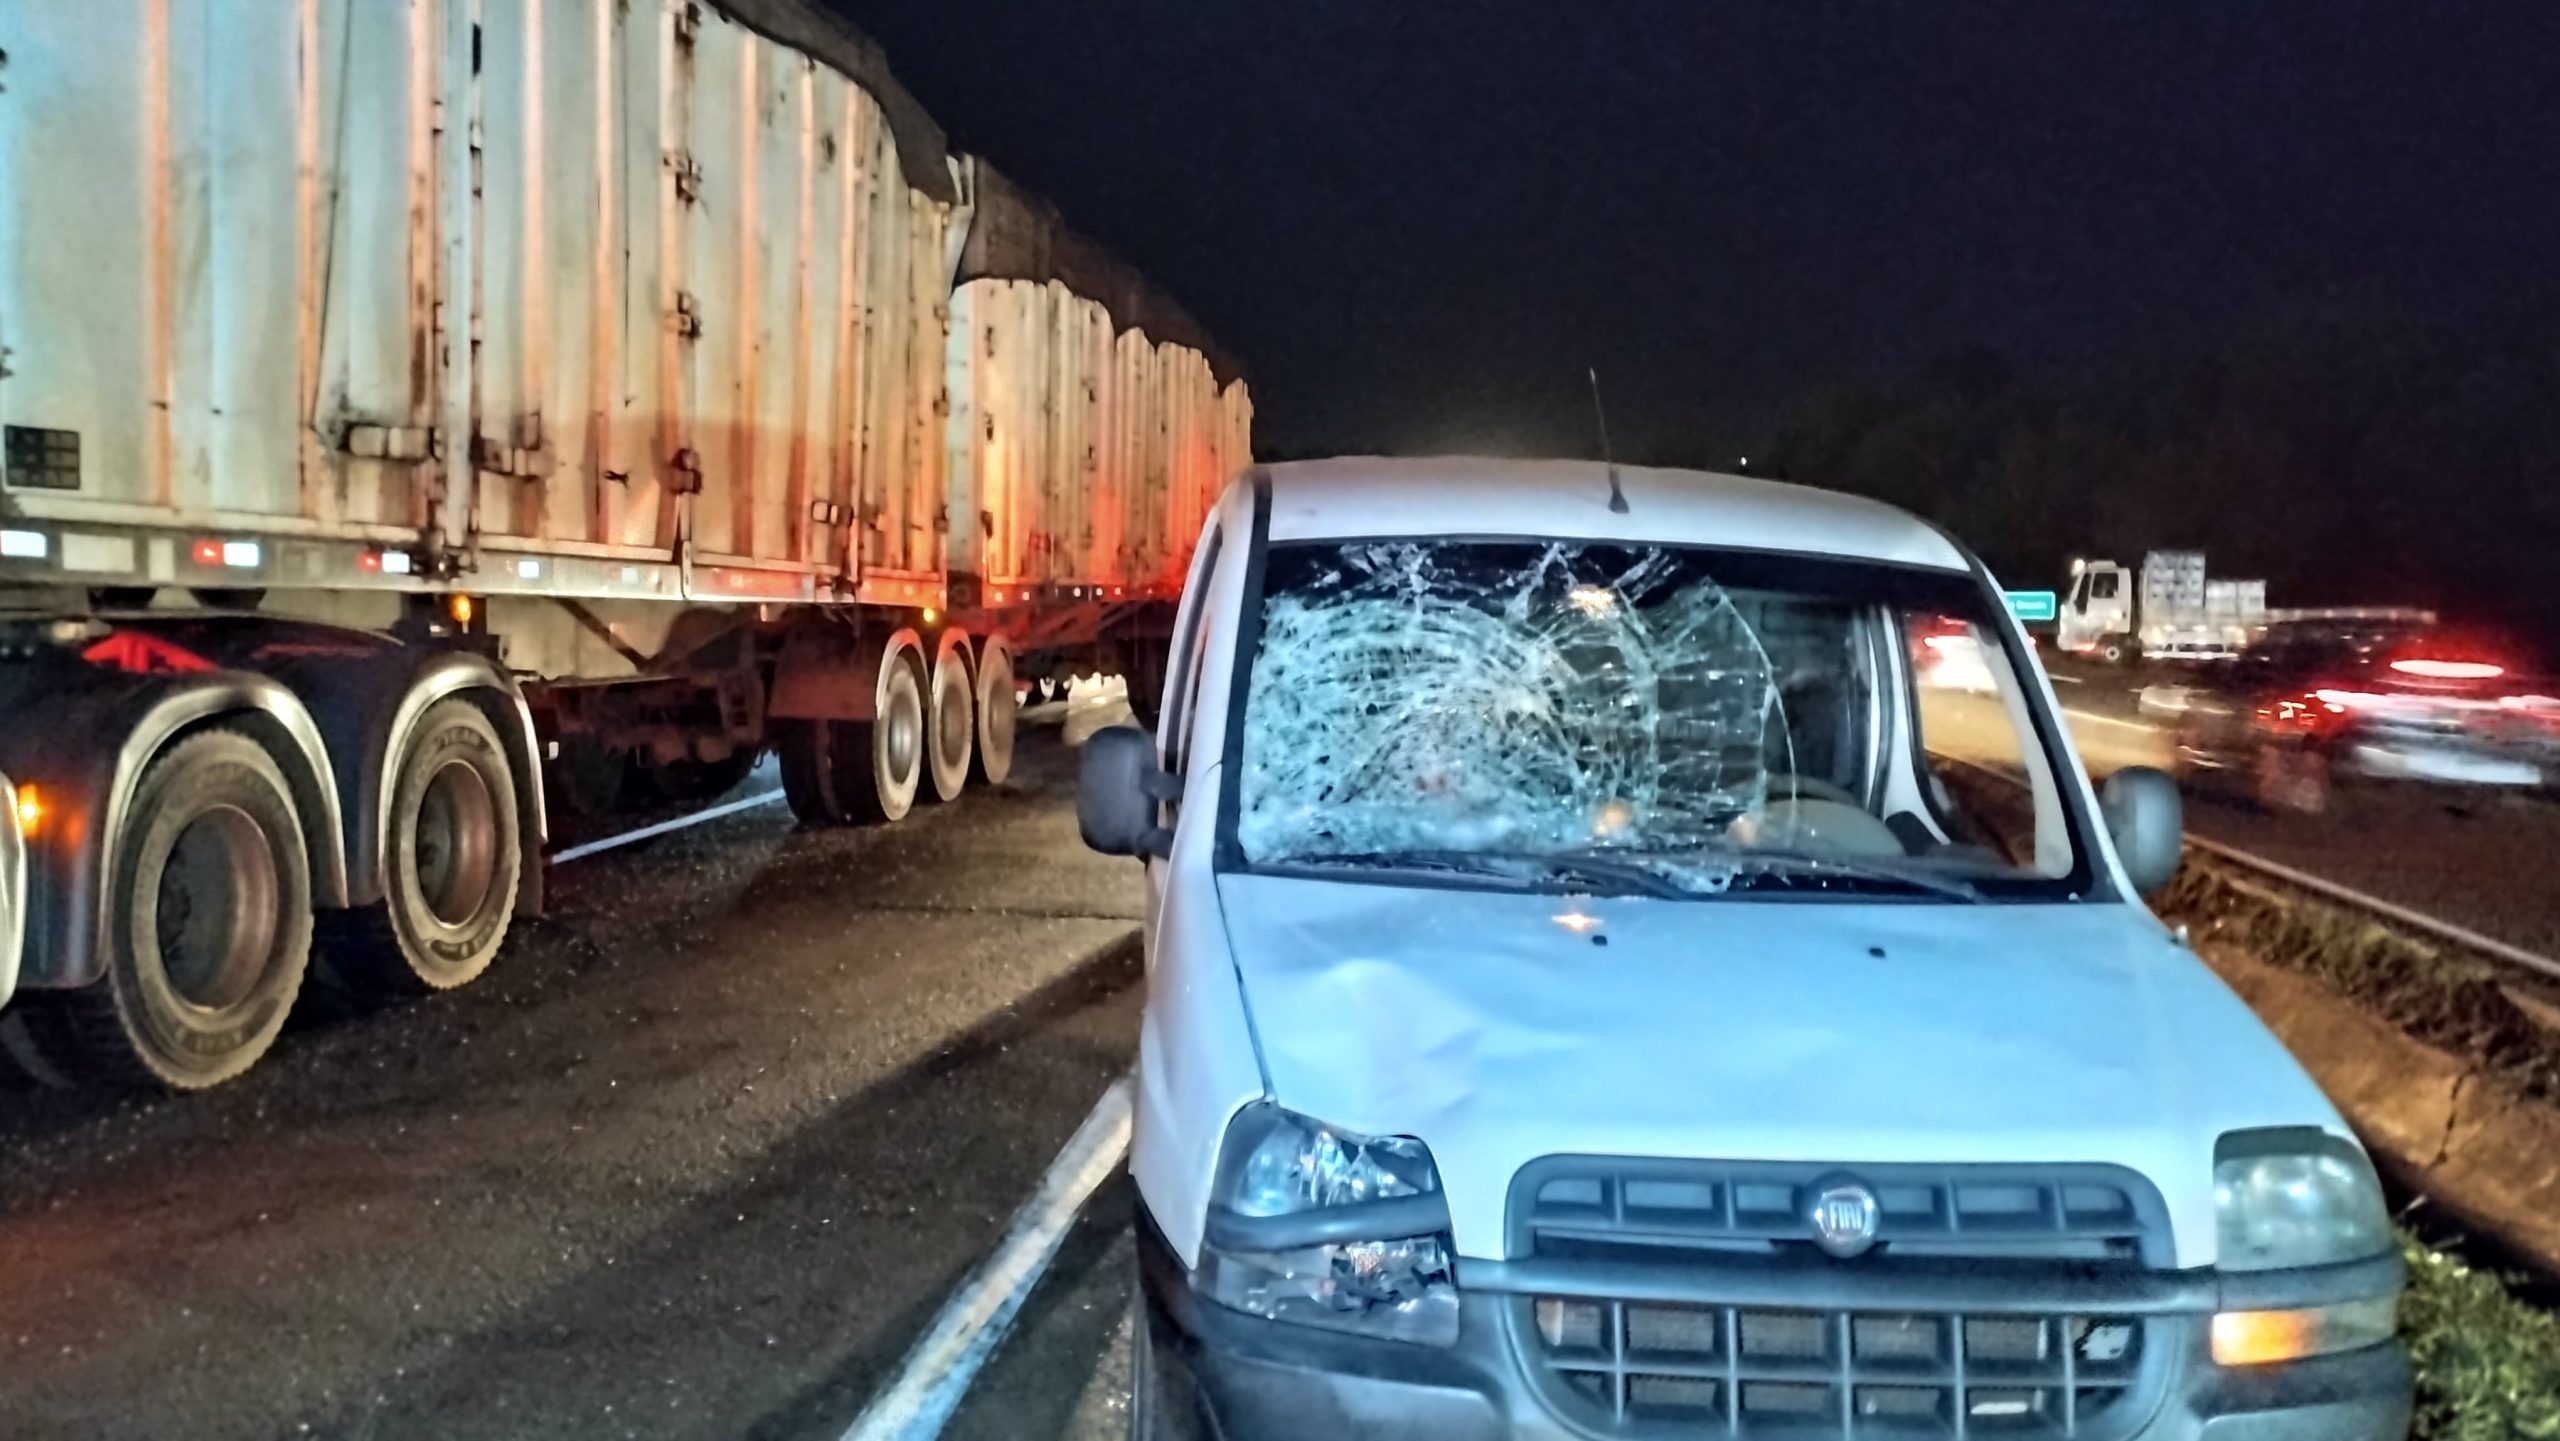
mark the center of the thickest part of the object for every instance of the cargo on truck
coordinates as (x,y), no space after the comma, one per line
(422,417)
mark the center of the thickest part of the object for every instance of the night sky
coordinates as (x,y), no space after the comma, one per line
(1418,223)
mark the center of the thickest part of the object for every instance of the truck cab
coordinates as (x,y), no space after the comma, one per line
(1597,988)
(2097,611)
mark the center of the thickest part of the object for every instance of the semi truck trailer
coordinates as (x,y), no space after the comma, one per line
(421,416)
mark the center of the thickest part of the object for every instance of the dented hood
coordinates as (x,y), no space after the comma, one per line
(1499,1028)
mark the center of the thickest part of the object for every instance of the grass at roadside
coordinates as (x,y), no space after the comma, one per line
(2488,1364)
(2448,1001)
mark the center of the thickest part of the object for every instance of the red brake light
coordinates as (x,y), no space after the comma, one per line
(2449,669)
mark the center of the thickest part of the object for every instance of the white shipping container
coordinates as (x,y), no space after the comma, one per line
(614,279)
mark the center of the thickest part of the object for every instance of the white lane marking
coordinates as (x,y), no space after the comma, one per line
(937,1373)
(2065,679)
(2108,720)
(574,853)
(2418,920)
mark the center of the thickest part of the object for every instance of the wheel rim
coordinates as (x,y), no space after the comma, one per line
(457,843)
(952,718)
(215,903)
(902,732)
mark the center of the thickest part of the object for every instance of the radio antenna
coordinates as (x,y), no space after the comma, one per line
(1617,497)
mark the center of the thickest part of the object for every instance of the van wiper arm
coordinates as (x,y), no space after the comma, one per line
(1587,868)
(1798,863)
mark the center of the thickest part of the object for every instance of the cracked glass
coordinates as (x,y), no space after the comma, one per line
(1655,719)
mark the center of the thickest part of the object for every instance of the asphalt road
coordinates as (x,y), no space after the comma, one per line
(703,1157)
(2489,860)
(698,1159)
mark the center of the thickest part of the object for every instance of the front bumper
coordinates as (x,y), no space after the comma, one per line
(1223,1374)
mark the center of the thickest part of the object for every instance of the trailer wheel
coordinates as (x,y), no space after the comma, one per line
(450,870)
(209,921)
(838,773)
(893,744)
(951,738)
(996,711)
(808,751)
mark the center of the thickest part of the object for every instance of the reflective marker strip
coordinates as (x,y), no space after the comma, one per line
(663,827)
(23,545)
(240,554)
(919,1403)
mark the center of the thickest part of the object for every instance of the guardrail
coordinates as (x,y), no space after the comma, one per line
(2419,921)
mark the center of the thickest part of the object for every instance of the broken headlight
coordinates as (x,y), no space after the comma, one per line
(1315,1225)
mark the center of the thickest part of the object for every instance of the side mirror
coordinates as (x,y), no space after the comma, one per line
(1118,790)
(2148,822)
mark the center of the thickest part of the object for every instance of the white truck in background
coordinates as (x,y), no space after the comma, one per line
(2170,610)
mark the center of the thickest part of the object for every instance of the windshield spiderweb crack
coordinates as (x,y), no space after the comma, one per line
(1420,696)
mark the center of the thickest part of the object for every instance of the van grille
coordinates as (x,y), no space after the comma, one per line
(1660,1368)
(1890,1365)
(1572,1207)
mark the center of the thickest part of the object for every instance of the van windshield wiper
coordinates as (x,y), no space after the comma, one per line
(1592,869)
(1855,869)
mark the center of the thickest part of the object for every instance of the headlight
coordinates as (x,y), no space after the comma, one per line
(2295,1198)
(2290,1199)
(1321,1227)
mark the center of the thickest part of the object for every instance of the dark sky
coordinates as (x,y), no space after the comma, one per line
(1418,222)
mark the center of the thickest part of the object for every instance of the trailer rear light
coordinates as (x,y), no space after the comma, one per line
(383,562)
(23,545)
(529,569)
(30,810)
(231,554)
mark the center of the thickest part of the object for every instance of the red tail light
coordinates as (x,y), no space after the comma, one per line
(2431,669)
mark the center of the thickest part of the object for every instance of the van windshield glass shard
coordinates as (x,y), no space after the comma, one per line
(1659,720)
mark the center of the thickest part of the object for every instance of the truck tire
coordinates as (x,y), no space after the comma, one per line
(208,922)
(837,773)
(892,747)
(450,870)
(992,761)
(951,708)
(807,750)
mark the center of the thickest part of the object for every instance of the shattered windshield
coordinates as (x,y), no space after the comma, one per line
(1657,720)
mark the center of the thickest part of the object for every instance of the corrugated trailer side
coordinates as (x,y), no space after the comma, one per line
(525,402)
(681,302)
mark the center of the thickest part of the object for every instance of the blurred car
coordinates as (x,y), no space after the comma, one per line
(1946,654)
(2314,702)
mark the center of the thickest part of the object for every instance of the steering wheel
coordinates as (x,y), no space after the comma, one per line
(1783,784)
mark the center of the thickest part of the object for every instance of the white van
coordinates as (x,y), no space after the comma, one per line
(1594,992)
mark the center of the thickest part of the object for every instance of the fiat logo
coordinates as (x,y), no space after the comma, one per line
(1845,1216)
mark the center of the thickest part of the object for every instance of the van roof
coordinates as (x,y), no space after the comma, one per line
(1365,496)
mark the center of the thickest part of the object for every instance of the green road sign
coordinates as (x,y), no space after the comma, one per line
(2034,605)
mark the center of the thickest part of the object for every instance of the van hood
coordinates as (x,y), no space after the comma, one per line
(1499,1028)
